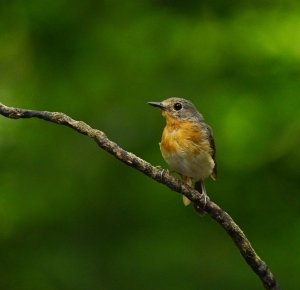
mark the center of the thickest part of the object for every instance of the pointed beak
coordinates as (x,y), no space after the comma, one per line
(157,104)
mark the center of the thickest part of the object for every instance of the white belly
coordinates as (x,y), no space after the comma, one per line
(197,166)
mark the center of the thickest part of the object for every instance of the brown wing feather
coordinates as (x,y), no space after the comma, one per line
(211,140)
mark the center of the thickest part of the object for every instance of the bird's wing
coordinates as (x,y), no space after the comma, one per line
(211,140)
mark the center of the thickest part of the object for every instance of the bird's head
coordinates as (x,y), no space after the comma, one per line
(178,109)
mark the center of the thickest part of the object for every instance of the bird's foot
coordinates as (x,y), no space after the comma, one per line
(161,171)
(199,207)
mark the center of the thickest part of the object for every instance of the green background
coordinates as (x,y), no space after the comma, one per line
(72,217)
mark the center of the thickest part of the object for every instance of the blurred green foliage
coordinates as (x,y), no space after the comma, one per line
(72,217)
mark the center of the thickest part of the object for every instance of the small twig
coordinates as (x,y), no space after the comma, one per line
(162,176)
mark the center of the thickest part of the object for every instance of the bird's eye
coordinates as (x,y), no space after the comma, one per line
(177,106)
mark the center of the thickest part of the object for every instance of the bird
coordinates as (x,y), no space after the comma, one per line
(187,144)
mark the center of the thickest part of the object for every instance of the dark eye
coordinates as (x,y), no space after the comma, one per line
(177,106)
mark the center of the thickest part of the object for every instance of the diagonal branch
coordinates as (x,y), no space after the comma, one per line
(161,176)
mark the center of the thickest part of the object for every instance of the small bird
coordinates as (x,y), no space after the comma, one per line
(187,143)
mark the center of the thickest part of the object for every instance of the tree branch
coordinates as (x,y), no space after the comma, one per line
(161,176)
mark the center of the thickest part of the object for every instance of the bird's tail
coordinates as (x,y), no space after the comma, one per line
(185,200)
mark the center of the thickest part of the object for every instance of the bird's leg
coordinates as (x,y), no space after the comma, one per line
(189,182)
(204,193)
(199,186)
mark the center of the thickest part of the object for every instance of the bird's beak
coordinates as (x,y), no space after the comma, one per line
(157,104)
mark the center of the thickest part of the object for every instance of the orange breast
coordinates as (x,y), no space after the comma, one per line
(184,136)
